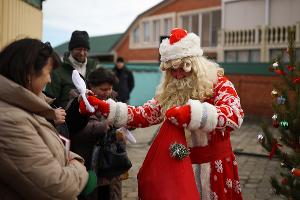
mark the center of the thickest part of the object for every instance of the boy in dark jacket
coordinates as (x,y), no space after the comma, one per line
(83,141)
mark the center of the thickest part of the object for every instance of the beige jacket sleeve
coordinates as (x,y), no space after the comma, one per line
(29,167)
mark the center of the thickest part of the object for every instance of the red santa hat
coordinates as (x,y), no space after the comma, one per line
(181,44)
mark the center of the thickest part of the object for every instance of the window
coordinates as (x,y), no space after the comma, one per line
(156,30)
(136,35)
(146,26)
(230,56)
(277,53)
(215,26)
(254,56)
(205,36)
(195,24)
(167,26)
(147,33)
(242,56)
(191,23)
(186,22)
(205,24)
(297,55)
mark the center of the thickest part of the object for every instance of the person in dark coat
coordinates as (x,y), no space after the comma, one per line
(83,141)
(75,58)
(126,81)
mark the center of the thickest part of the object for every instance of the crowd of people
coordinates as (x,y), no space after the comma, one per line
(42,111)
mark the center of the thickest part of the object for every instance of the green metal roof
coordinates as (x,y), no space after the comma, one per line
(35,3)
(100,45)
(229,68)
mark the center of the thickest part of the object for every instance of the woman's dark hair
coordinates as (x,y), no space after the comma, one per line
(24,57)
(100,76)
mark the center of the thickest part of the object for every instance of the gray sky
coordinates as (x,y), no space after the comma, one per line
(97,17)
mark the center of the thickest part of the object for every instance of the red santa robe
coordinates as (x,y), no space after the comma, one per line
(215,165)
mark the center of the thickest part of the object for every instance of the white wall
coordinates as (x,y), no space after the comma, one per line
(244,14)
(284,12)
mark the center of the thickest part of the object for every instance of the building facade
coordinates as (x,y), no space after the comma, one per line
(20,19)
(257,30)
(230,30)
(141,40)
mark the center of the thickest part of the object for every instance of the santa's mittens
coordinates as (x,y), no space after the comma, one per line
(179,115)
(295,172)
(99,105)
(83,109)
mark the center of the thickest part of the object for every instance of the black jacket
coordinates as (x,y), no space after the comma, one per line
(125,85)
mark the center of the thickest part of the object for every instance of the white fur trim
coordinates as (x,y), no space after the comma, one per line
(123,115)
(212,118)
(202,174)
(196,114)
(205,181)
(112,110)
(200,138)
(187,46)
(118,113)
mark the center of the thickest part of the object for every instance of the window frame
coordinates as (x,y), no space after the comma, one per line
(153,42)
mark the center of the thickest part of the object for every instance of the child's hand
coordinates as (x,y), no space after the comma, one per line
(88,93)
(60,116)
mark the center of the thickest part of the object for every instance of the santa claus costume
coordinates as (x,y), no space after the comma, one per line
(195,96)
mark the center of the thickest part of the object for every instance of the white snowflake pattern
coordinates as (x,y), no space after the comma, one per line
(226,93)
(234,162)
(236,187)
(213,196)
(229,183)
(219,166)
(221,120)
(225,190)
(150,112)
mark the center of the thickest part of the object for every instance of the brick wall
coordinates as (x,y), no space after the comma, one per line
(255,93)
(136,54)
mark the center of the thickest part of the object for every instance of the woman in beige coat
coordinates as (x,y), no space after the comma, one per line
(33,161)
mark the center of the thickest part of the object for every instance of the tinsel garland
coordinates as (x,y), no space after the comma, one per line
(178,151)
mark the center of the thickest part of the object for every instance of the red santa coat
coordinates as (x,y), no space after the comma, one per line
(211,123)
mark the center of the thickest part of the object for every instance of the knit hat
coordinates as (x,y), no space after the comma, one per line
(120,59)
(181,44)
(79,39)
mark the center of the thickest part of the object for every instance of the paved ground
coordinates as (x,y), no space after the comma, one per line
(254,171)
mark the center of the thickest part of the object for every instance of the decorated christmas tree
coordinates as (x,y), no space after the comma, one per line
(283,141)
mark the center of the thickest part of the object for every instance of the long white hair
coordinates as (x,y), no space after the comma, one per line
(199,85)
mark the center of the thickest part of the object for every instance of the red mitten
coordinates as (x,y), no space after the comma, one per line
(99,105)
(179,115)
(296,172)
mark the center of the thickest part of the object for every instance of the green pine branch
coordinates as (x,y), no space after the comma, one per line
(285,184)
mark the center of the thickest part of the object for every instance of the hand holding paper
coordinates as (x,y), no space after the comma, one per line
(81,87)
(127,134)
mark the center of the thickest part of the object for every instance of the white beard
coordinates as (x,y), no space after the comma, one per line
(175,93)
